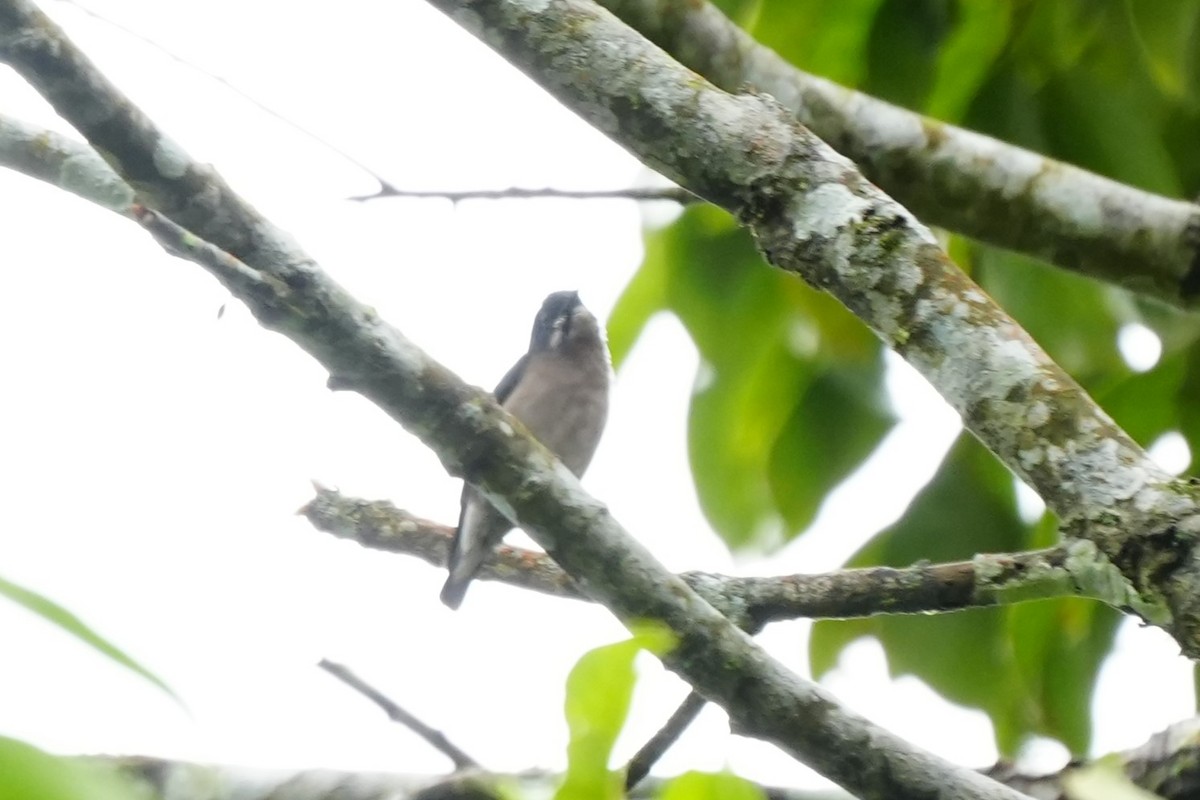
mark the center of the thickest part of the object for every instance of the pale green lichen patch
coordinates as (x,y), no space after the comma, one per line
(987,568)
(1097,577)
(1036,580)
(989,361)
(170,160)
(824,210)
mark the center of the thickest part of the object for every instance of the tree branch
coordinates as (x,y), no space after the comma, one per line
(811,211)
(63,162)
(473,436)
(648,754)
(249,98)
(814,215)
(1167,765)
(670,193)
(986,580)
(379,525)
(182,780)
(435,738)
(954,178)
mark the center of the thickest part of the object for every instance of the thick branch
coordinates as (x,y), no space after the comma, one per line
(950,177)
(813,214)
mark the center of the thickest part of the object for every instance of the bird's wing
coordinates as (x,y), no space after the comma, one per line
(510,380)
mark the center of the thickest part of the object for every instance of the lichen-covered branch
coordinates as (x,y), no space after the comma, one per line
(1073,569)
(950,177)
(473,437)
(63,162)
(1167,765)
(379,525)
(165,779)
(815,215)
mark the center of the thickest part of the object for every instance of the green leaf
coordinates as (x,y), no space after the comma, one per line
(599,690)
(1031,667)
(1163,399)
(56,614)
(1148,405)
(743,12)
(837,421)
(789,398)
(710,786)
(966,56)
(829,39)
(1112,124)
(903,52)
(1165,34)
(644,295)
(1104,779)
(27,773)
(1058,648)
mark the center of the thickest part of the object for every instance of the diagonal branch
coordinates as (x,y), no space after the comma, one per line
(638,767)
(435,738)
(815,215)
(954,178)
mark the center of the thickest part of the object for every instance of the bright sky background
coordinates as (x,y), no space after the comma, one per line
(154,454)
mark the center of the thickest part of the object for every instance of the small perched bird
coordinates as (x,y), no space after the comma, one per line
(559,390)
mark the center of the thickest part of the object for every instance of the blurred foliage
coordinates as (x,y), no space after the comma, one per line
(27,773)
(710,786)
(789,399)
(1030,666)
(1104,779)
(599,690)
(56,615)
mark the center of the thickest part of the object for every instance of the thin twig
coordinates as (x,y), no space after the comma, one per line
(231,271)
(673,194)
(249,98)
(435,738)
(645,758)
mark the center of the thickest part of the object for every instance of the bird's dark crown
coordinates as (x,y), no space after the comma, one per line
(553,323)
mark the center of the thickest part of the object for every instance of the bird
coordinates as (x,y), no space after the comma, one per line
(559,390)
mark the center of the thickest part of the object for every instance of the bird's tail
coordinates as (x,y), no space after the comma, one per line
(464,564)
(454,590)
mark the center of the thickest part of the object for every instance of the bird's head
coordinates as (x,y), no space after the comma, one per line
(563,324)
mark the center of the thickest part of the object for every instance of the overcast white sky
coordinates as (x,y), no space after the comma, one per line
(153,454)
